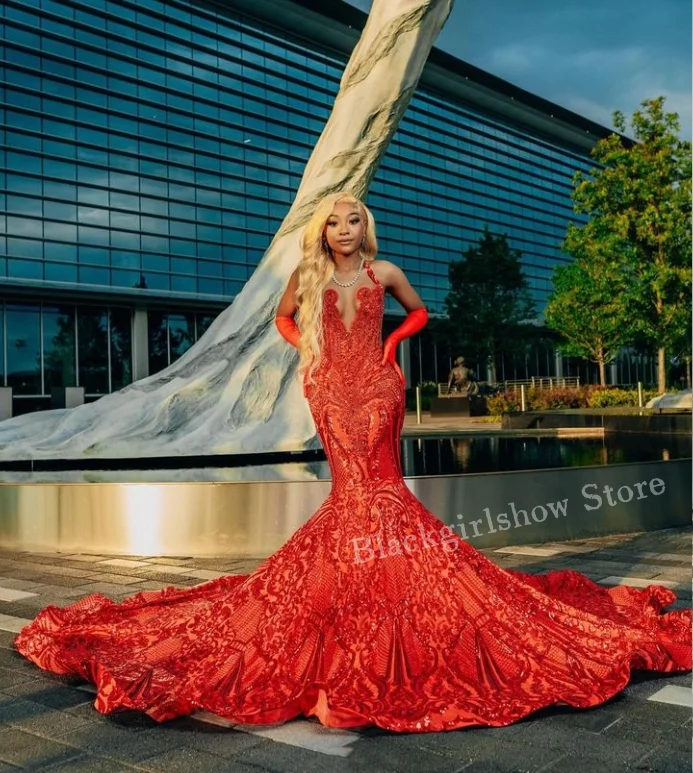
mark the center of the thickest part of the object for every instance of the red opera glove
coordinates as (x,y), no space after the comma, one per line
(415,321)
(289,329)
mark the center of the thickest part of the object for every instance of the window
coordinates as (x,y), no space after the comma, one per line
(128,220)
(59,129)
(66,232)
(23,141)
(155,243)
(57,211)
(210,233)
(209,268)
(25,248)
(93,235)
(96,196)
(122,259)
(24,349)
(26,185)
(23,162)
(65,253)
(158,281)
(125,240)
(203,323)
(158,340)
(92,216)
(92,117)
(184,247)
(121,348)
(58,88)
(181,330)
(92,327)
(121,162)
(154,206)
(124,181)
(155,224)
(155,262)
(60,169)
(183,265)
(25,269)
(55,148)
(123,278)
(125,201)
(59,353)
(21,205)
(184,284)
(94,276)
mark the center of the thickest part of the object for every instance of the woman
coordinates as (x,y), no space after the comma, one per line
(373,612)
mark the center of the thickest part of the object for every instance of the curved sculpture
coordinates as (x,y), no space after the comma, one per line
(235,389)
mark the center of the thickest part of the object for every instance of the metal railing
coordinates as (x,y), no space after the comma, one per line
(536,382)
(541,382)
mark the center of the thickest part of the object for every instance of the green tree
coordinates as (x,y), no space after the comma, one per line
(586,309)
(639,206)
(488,304)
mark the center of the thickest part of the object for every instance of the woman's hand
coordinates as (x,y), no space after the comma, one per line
(395,281)
(286,311)
(389,349)
(289,329)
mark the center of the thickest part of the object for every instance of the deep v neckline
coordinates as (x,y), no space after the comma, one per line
(368,288)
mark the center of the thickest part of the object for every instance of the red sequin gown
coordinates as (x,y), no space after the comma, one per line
(432,636)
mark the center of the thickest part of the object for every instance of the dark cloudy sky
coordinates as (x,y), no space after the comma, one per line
(591,56)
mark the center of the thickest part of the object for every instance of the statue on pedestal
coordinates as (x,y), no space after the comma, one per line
(461,382)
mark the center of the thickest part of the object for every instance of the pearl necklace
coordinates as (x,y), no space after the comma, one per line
(351,282)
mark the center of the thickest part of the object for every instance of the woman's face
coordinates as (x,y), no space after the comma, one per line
(344,229)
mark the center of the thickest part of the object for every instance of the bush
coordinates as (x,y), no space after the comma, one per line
(429,389)
(609,397)
(503,402)
(561,398)
(557,398)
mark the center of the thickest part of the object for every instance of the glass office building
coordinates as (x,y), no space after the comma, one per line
(149,151)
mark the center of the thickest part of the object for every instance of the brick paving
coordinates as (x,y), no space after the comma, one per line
(49,723)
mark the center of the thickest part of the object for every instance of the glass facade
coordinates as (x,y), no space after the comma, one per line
(45,345)
(157,145)
(453,172)
(171,335)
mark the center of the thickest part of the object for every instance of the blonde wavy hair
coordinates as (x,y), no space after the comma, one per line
(315,270)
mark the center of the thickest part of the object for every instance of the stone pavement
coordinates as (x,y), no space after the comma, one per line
(49,723)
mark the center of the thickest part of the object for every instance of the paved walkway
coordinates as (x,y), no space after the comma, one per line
(447,424)
(48,723)
(453,425)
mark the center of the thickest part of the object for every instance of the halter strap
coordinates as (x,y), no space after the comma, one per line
(371,273)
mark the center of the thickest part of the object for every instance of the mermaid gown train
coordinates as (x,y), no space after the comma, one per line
(429,637)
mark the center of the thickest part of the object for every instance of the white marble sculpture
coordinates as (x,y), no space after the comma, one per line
(681,400)
(236,390)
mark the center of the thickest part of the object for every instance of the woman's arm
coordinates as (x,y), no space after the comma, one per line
(397,283)
(286,310)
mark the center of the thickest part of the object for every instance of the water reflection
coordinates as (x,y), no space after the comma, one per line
(420,456)
(257,472)
(498,453)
